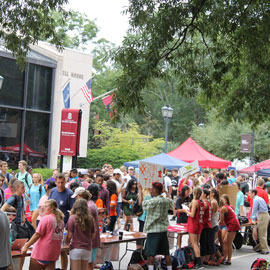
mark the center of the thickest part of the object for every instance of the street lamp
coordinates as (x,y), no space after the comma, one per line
(1,81)
(167,113)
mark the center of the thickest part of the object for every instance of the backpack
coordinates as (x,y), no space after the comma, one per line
(238,240)
(138,257)
(174,263)
(106,266)
(2,197)
(189,254)
(137,209)
(25,178)
(259,264)
(179,254)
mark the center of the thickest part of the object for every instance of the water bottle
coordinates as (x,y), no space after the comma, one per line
(64,238)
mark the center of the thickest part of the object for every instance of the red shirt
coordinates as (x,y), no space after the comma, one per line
(261,193)
(195,224)
(207,216)
(231,220)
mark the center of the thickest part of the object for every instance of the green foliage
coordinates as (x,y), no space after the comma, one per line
(24,22)
(45,172)
(218,50)
(223,139)
(119,146)
(73,29)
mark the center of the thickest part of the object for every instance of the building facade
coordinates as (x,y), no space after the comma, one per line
(31,102)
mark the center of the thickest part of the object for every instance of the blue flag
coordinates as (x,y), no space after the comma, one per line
(66,96)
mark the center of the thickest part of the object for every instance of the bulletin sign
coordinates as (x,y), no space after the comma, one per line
(149,173)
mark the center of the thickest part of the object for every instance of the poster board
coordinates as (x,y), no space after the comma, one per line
(149,173)
(189,169)
(231,191)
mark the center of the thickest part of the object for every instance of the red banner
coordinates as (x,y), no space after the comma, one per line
(70,132)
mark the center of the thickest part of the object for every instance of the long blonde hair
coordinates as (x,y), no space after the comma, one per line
(55,210)
(83,218)
(40,178)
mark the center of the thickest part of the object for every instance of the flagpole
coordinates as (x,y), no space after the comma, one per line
(65,83)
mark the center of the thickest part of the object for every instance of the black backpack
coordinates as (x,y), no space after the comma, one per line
(238,240)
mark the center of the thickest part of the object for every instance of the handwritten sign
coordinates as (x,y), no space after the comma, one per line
(149,173)
(189,169)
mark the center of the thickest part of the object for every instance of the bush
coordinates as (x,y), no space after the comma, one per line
(45,172)
(114,156)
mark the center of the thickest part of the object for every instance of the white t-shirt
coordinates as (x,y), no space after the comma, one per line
(167,182)
(118,186)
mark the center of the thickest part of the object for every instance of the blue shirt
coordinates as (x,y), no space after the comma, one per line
(239,202)
(17,202)
(64,201)
(35,196)
(259,206)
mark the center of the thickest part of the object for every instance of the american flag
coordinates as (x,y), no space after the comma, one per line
(87,91)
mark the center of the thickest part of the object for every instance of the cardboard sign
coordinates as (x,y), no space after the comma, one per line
(70,132)
(189,169)
(231,191)
(149,173)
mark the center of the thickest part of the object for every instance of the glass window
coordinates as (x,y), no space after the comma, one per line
(10,133)
(39,87)
(36,139)
(11,92)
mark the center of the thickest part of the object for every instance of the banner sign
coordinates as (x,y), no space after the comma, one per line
(149,173)
(70,132)
(246,140)
(189,169)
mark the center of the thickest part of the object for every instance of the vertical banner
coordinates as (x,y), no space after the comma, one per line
(149,173)
(246,140)
(70,132)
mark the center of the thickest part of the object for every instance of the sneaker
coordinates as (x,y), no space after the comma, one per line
(264,252)
(212,263)
(220,260)
(226,263)
(173,218)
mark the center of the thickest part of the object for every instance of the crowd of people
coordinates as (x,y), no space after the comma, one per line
(75,207)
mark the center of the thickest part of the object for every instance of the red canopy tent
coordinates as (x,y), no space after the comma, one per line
(256,167)
(190,151)
(26,150)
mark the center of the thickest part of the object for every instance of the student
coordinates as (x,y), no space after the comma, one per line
(180,207)
(228,216)
(47,239)
(24,176)
(36,192)
(111,186)
(81,231)
(195,223)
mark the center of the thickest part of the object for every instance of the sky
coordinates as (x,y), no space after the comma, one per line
(111,22)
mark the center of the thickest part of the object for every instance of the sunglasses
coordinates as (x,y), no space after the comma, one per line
(11,214)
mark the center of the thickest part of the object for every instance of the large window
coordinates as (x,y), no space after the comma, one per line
(10,135)
(11,92)
(36,138)
(25,121)
(39,87)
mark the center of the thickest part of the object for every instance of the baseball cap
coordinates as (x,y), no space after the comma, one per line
(117,171)
(78,190)
(131,168)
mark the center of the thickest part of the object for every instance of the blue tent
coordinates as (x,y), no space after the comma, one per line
(264,172)
(163,159)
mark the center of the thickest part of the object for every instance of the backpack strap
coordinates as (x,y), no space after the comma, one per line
(26,181)
(39,189)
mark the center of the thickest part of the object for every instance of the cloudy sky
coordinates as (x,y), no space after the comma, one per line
(111,22)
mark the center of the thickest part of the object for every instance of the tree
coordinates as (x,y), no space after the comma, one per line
(73,29)
(219,50)
(24,22)
(117,146)
(223,139)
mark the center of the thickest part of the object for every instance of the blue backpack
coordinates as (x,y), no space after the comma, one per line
(107,266)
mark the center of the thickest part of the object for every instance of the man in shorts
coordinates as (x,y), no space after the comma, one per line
(156,225)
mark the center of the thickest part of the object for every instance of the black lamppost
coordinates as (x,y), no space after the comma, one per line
(167,113)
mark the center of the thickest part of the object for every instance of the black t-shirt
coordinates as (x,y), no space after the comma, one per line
(181,217)
(175,181)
